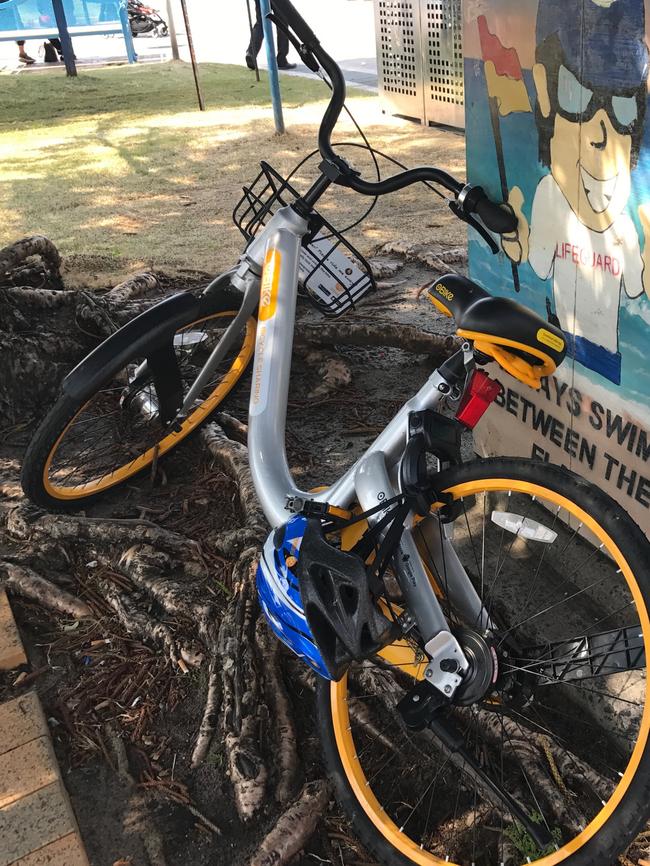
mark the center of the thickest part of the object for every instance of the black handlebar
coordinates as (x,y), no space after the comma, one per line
(470,199)
(495,217)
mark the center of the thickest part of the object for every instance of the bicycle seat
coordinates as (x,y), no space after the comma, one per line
(523,343)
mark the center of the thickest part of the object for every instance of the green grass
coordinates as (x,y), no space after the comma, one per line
(35,99)
(122,172)
(120,168)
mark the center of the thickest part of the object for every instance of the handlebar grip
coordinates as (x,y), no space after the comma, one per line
(495,217)
(286,10)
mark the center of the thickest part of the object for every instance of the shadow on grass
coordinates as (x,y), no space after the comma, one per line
(154,184)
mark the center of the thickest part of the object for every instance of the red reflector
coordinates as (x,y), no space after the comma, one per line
(478,395)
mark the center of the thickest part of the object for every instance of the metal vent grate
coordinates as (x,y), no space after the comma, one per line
(443,73)
(397,35)
(399,55)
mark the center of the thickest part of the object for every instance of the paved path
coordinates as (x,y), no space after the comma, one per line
(37,824)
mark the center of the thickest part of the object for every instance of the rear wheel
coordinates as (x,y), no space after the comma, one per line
(83,448)
(554,712)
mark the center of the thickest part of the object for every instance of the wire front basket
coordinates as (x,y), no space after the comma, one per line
(334,275)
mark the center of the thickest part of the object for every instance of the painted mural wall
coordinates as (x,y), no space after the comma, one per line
(556,95)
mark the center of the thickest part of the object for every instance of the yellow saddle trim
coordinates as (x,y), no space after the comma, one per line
(529,374)
(438,304)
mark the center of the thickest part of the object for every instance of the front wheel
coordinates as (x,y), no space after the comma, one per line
(86,446)
(545,754)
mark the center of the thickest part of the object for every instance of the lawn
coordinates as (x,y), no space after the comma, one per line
(121,170)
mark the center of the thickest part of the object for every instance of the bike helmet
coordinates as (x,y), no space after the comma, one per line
(317,599)
(279,593)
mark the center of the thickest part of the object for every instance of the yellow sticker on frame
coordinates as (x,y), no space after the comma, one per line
(270,281)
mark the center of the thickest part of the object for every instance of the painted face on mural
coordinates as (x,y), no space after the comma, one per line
(590,77)
(593,139)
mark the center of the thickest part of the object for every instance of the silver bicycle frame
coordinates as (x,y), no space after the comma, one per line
(269,271)
(271,371)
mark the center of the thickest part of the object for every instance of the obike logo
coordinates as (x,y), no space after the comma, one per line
(269,289)
(444,291)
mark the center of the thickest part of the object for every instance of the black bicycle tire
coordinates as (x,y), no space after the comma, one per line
(64,410)
(633,811)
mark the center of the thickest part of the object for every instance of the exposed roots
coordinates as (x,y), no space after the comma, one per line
(232,458)
(149,569)
(287,763)
(333,371)
(295,827)
(441,262)
(210,719)
(138,286)
(25,582)
(16,254)
(243,706)
(371,332)
(25,524)
(140,624)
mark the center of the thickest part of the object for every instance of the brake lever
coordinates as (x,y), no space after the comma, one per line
(305,53)
(458,211)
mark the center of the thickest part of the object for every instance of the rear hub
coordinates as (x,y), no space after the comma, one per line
(483,670)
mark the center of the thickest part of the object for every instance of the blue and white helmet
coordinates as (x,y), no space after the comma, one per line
(279,592)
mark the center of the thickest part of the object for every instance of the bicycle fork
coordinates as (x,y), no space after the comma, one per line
(447,663)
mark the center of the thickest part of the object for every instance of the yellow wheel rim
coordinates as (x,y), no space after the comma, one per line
(343,729)
(225,385)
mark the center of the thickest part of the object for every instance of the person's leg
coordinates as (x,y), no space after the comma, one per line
(283,50)
(23,56)
(257,37)
(283,47)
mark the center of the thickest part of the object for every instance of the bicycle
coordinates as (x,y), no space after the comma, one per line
(479,629)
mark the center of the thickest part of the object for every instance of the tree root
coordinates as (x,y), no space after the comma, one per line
(530,749)
(278,703)
(139,624)
(25,582)
(375,333)
(437,261)
(333,371)
(294,828)
(243,706)
(14,255)
(210,719)
(138,286)
(232,458)
(145,565)
(24,524)
(233,427)
(451,831)
(231,543)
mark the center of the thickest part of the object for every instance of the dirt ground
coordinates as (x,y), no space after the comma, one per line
(93,679)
